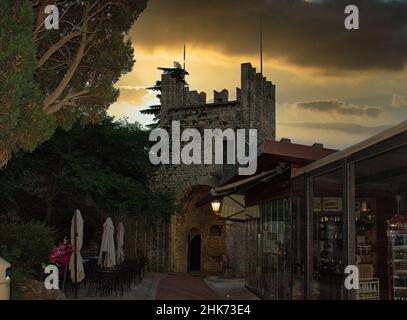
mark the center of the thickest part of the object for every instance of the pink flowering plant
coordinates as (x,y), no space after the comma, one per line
(61,254)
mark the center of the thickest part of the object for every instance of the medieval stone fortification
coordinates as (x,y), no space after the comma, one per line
(171,248)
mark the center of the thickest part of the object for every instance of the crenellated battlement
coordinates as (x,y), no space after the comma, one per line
(221,97)
(254,106)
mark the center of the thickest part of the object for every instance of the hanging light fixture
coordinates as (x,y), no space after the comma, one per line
(364,207)
(216,204)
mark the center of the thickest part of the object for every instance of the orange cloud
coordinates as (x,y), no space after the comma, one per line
(133,95)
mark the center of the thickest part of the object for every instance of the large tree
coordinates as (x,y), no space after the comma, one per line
(50,78)
(104,166)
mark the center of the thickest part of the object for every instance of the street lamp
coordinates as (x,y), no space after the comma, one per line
(216,203)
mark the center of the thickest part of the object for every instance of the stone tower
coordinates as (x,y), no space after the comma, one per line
(254,107)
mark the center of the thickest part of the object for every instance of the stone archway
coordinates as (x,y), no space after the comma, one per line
(192,236)
(194,253)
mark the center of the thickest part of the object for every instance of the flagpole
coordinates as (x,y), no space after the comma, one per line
(261,47)
(184,56)
(183,77)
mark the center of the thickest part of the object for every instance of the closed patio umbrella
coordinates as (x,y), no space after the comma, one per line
(107,255)
(120,242)
(76,263)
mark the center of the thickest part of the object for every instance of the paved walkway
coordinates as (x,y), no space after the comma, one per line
(185,287)
(199,287)
(146,290)
(230,288)
(181,286)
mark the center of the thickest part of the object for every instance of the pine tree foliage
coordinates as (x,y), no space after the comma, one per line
(50,78)
(177,72)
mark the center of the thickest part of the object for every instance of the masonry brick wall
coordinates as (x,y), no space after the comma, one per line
(236,248)
(148,240)
(190,221)
(254,107)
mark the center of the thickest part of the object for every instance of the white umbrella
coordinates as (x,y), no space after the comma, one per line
(80,274)
(120,242)
(107,255)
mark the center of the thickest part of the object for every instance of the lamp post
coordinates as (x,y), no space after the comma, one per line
(216,205)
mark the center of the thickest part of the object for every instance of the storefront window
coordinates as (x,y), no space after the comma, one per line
(381,249)
(276,236)
(253,267)
(299,213)
(327,277)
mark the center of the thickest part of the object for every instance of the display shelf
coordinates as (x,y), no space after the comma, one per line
(397,235)
(368,289)
(400,271)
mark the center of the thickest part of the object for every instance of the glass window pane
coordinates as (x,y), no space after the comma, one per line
(299,214)
(381,195)
(327,277)
(276,249)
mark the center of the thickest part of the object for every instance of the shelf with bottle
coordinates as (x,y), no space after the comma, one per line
(400,271)
(400,293)
(333,217)
(368,289)
(399,281)
(399,240)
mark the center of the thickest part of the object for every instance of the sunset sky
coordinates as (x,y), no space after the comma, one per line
(334,86)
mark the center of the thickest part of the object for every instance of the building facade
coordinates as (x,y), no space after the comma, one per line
(198,239)
(309,227)
(272,234)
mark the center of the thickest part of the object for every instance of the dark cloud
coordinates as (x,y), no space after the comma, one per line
(349,128)
(340,107)
(304,33)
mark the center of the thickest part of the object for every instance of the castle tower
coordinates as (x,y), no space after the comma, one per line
(257,102)
(253,108)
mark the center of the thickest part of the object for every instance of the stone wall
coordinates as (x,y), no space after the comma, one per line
(190,221)
(257,97)
(236,248)
(254,107)
(148,240)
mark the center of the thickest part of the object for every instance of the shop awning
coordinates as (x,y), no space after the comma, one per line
(242,185)
(378,138)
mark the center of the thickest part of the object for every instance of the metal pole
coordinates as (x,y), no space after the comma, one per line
(261,47)
(76,254)
(184,59)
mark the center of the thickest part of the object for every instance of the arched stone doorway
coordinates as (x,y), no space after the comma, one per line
(194,263)
(194,247)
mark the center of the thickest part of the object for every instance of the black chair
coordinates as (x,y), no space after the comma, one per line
(91,276)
